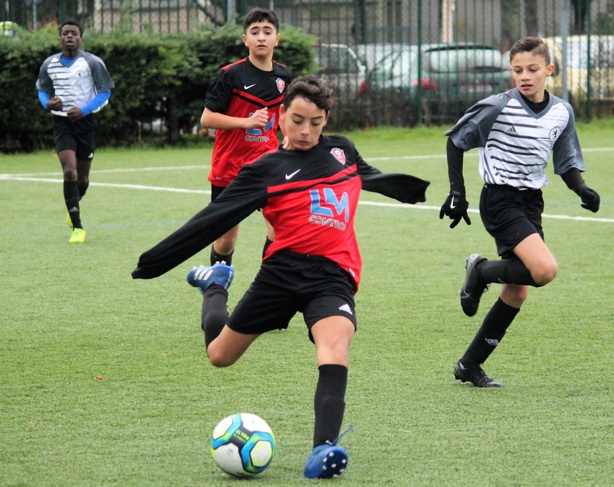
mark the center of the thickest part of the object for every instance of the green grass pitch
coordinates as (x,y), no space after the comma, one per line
(104,380)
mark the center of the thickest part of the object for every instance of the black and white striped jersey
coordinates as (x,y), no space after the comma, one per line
(514,143)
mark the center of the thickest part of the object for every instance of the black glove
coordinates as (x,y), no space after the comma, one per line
(590,199)
(455,207)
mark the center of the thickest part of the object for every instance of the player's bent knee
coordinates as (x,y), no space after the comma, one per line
(218,359)
(545,274)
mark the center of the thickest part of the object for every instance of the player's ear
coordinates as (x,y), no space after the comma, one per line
(244,37)
(550,69)
(282,119)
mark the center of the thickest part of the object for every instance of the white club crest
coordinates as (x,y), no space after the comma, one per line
(338,154)
(281,84)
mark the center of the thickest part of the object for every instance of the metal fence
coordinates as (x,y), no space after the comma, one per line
(354,35)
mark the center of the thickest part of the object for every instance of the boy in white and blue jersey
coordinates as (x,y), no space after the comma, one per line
(515,133)
(74,85)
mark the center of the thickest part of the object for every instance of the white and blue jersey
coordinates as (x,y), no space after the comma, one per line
(76,81)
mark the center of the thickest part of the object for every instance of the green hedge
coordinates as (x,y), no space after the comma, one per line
(157,78)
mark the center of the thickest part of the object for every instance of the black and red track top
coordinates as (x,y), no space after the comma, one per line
(310,198)
(238,91)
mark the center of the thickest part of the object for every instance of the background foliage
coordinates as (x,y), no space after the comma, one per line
(160,81)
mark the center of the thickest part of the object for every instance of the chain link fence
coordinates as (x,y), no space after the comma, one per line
(392,62)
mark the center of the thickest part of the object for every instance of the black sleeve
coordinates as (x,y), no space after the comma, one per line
(455,167)
(239,200)
(573,179)
(401,187)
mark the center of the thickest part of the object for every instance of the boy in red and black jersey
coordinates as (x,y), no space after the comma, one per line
(242,105)
(308,190)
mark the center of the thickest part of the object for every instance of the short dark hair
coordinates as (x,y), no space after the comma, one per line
(71,22)
(531,44)
(310,88)
(260,15)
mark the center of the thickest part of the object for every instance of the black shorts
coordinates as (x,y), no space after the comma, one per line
(510,215)
(216,191)
(288,283)
(76,136)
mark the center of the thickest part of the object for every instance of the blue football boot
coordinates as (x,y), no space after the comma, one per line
(327,460)
(202,277)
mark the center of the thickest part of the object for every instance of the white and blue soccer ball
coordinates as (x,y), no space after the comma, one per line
(243,445)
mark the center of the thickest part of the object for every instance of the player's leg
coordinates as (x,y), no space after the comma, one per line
(213,283)
(224,346)
(531,264)
(84,167)
(489,336)
(223,248)
(228,347)
(85,152)
(332,337)
(68,160)
(538,259)
(513,219)
(265,306)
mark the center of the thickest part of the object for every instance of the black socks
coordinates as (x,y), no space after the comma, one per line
(329,403)
(214,312)
(495,324)
(72,197)
(505,271)
(215,257)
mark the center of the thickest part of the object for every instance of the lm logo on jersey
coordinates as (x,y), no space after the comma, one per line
(328,210)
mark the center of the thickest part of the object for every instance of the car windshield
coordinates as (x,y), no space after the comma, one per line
(335,59)
(398,63)
(466,60)
(373,54)
(602,53)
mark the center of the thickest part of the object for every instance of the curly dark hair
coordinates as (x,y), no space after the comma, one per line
(310,88)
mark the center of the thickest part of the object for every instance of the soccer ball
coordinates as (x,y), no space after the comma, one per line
(243,445)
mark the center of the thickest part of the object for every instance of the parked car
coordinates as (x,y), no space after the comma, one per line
(435,83)
(340,67)
(371,54)
(587,76)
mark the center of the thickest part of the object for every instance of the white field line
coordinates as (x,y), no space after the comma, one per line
(31,177)
(205,166)
(10,177)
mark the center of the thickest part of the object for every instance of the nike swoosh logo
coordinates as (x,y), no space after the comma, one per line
(245,87)
(452,205)
(291,175)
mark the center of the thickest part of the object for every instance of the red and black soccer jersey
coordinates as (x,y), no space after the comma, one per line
(310,198)
(238,91)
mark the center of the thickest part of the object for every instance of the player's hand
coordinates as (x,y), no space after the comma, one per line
(55,104)
(258,119)
(590,199)
(74,114)
(455,207)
